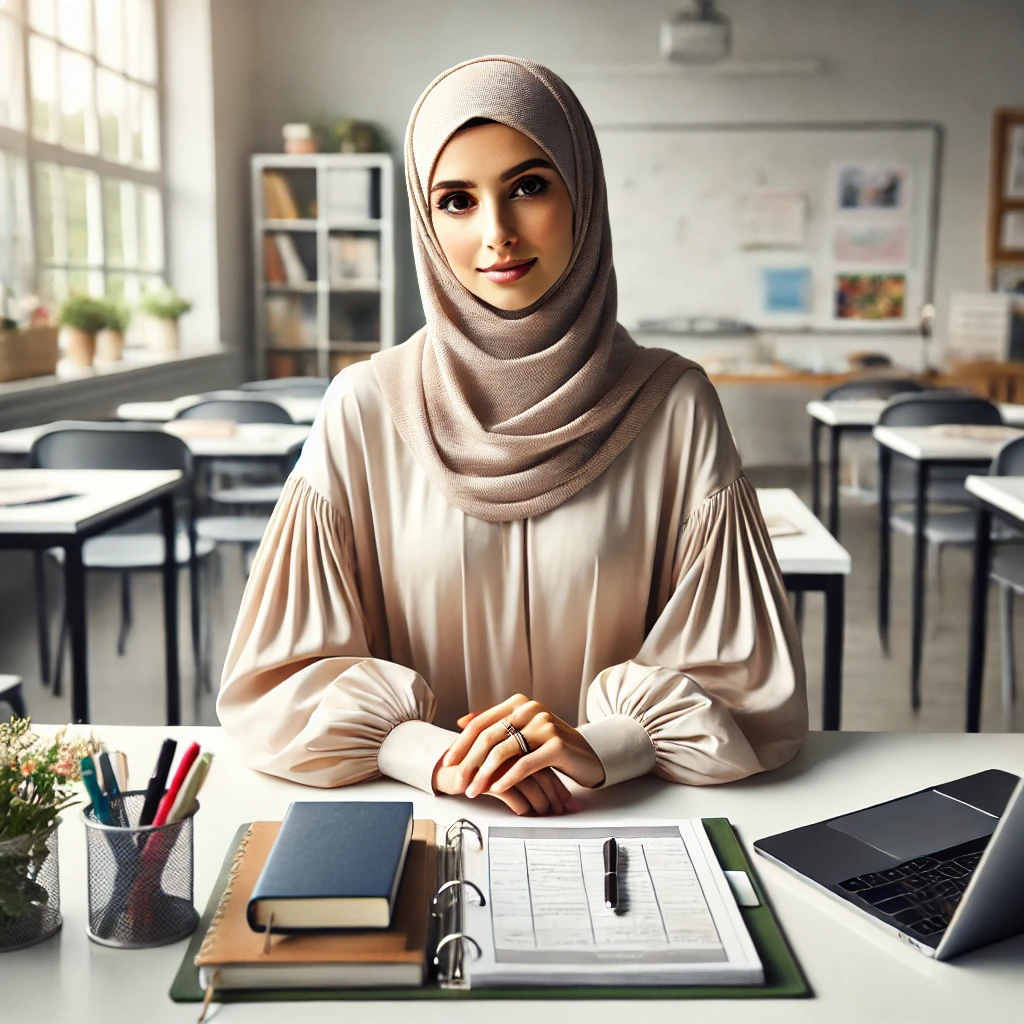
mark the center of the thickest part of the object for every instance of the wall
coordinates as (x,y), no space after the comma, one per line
(941,60)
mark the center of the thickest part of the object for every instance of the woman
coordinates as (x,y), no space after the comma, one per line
(519,522)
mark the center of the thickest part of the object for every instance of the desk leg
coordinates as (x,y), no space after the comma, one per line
(835,587)
(884,538)
(74,598)
(834,436)
(170,574)
(918,596)
(979,609)
(815,467)
(42,616)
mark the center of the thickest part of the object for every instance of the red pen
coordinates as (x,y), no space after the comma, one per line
(176,783)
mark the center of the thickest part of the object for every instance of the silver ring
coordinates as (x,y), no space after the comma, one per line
(515,734)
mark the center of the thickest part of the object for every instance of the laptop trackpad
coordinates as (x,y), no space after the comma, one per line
(919,824)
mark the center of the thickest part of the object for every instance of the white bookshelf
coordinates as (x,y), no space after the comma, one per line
(316,325)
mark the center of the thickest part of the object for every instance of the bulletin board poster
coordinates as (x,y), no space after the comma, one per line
(868,240)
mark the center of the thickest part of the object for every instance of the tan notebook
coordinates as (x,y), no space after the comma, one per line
(234,956)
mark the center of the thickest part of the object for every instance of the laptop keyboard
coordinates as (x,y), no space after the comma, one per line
(921,894)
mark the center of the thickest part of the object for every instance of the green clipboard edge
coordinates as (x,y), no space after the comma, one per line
(783,977)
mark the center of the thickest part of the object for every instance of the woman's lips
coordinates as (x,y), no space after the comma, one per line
(510,275)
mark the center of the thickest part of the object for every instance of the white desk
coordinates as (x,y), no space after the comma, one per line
(250,440)
(926,447)
(841,416)
(301,408)
(1001,497)
(105,499)
(813,560)
(858,973)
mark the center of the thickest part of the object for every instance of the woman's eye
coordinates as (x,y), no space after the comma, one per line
(445,203)
(532,186)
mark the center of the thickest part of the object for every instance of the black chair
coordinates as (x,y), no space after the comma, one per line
(139,545)
(1008,572)
(872,387)
(295,386)
(240,410)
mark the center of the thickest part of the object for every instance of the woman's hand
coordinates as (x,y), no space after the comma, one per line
(542,793)
(485,747)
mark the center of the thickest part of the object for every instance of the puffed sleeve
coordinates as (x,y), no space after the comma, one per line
(717,691)
(301,693)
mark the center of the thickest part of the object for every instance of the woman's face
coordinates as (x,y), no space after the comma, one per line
(497,201)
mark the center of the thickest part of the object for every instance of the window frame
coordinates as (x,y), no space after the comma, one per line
(35,153)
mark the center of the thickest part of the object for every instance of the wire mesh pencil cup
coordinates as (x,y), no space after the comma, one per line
(29,889)
(139,878)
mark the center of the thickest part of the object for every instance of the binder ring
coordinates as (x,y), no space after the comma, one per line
(464,825)
(452,938)
(454,883)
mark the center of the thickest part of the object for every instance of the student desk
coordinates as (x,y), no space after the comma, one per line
(249,440)
(1001,497)
(925,447)
(104,499)
(301,408)
(813,560)
(855,416)
(857,971)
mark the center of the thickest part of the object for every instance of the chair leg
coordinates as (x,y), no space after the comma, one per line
(126,613)
(58,658)
(16,699)
(1009,676)
(935,572)
(194,582)
(42,618)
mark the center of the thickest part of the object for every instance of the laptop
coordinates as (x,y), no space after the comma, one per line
(940,868)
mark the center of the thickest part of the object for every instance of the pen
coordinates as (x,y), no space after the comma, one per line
(110,786)
(184,765)
(155,789)
(611,874)
(100,806)
(121,770)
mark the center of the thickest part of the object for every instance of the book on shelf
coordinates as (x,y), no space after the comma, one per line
(353,258)
(273,266)
(294,268)
(278,201)
(349,193)
(291,323)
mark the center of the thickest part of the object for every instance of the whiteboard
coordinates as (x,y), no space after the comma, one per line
(678,199)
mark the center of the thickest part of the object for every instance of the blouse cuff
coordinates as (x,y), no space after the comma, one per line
(623,747)
(410,753)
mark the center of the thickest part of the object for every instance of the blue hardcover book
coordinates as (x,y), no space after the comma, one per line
(334,864)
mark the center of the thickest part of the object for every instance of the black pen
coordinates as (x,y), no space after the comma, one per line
(611,874)
(155,789)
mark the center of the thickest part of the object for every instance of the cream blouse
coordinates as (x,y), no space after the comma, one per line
(648,609)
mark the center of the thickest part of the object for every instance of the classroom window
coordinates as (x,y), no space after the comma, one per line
(87,139)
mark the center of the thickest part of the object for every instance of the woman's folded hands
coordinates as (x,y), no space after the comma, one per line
(488,759)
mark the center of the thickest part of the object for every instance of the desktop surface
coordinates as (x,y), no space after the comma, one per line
(857,972)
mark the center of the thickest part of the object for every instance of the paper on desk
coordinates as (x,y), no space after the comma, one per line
(976,431)
(201,428)
(16,495)
(779,527)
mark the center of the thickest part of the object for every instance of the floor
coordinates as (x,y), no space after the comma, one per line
(130,689)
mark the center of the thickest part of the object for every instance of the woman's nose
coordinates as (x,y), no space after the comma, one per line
(499,229)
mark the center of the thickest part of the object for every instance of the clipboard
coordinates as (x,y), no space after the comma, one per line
(783,976)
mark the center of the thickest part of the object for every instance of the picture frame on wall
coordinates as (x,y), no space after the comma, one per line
(1006,189)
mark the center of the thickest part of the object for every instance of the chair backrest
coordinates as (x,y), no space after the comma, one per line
(935,406)
(118,446)
(238,410)
(873,387)
(1009,461)
(296,387)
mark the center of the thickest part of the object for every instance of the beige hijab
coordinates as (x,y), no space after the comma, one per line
(511,413)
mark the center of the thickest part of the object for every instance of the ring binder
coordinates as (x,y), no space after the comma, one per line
(448,915)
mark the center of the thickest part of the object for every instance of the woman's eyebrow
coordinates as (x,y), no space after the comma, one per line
(526,165)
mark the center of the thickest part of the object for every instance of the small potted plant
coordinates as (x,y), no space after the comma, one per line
(37,782)
(82,316)
(110,340)
(163,308)
(28,343)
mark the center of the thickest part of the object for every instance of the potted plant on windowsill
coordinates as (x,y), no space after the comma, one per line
(110,340)
(82,316)
(163,308)
(37,782)
(28,343)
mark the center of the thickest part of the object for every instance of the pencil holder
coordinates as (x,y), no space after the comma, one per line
(139,878)
(29,889)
